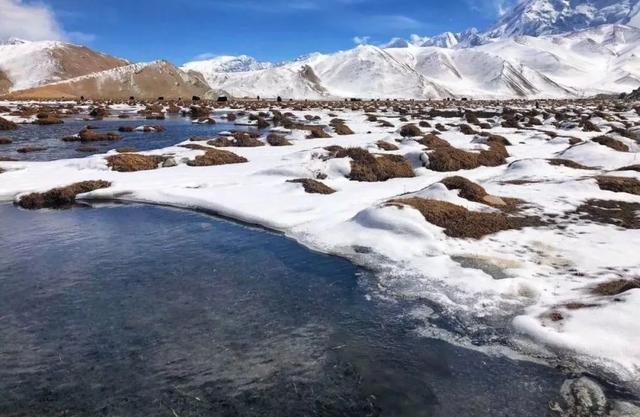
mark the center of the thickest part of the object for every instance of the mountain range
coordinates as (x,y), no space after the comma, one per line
(537,49)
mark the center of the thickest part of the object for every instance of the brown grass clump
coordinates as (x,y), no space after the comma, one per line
(410,130)
(63,197)
(126,149)
(125,129)
(30,149)
(129,162)
(366,167)
(619,184)
(467,130)
(48,120)
(89,135)
(197,112)
(472,191)
(611,143)
(462,223)
(630,168)
(313,186)
(87,149)
(317,132)
(99,112)
(7,124)
(567,163)
(274,139)
(469,190)
(195,147)
(386,146)
(617,213)
(5,141)
(617,287)
(432,141)
(445,159)
(385,123)
(216,157)
(342,129)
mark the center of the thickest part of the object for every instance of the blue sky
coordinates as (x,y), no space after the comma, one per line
(180,30)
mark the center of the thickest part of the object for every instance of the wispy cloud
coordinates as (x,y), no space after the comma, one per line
(361,40)
(491,8)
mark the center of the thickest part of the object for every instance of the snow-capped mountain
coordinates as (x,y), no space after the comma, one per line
(241,63)
(545,17)
(605,59)
(144,80)
(26,64)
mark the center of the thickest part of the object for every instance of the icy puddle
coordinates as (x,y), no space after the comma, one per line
(140,311)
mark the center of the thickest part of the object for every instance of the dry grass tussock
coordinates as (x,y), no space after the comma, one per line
(62,197)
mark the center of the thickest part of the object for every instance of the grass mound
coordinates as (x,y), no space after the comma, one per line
(30,149)
(432,141)
(472,191)
(342,129)
(313,186)
(410,130)
(386,146)
(5,141)
(445,159)
(214,157)
(617,287)
(7,124)
(611,143)
(567,163)
(367,167)
(462,223)
(129,162)
(274,139)
(63,197)
(619,184)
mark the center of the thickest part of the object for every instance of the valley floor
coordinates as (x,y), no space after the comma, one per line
(531,247)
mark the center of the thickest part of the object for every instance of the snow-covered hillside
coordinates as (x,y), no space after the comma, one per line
(544,17)
(599,60)
(225,63)
(30,64)
(143,80)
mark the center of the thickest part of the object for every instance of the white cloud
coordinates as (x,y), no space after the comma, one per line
(34,21)
(361,40)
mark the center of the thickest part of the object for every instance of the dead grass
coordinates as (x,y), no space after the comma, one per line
(611,143)
(617,287)
(342,129)
(274,139)
(5,141)
(410,130)
(30,149)
(432,141)
(313,187)
(367,167)
(386,146)
(472,191)
(63,197)
(445,159)
(7,124)
(567,163)
(630,168)
(129,162)
(619,184)
(459,222)
(618,213)
(214,157)
(126,149)
(89,135)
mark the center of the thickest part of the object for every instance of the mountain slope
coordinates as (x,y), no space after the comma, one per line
(241,63)
(28,64)
(604,59)
(545,17)
(147,80)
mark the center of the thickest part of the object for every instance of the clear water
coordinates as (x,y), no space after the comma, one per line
(148,311)
(50,137)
